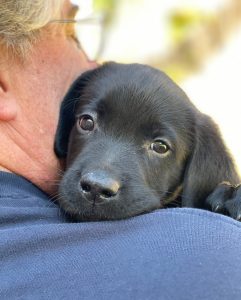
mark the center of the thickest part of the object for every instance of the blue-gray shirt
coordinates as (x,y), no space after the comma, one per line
(168,254)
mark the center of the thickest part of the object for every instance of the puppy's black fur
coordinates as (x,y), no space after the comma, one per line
(134,143)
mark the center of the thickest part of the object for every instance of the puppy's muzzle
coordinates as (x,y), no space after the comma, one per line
(99,186)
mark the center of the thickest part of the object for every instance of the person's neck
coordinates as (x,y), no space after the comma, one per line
(2,169)
(44,173)
(30,156)
(47,182)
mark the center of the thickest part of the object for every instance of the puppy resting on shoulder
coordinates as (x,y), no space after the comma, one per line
(134,142)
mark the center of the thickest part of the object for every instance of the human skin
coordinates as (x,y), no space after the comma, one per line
(30,96)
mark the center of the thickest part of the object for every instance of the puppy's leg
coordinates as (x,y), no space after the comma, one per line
(226,199)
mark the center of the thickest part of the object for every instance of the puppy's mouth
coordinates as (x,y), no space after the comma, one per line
(96,203)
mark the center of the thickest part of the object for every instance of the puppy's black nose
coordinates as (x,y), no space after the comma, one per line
(99,186)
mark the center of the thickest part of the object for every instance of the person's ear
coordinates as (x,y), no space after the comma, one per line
(8,104)
(209,165)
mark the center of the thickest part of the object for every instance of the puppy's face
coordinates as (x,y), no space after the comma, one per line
(132,132)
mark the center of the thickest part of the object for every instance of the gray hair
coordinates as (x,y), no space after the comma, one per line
(21,21)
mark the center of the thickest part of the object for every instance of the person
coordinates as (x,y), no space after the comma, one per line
(168,254)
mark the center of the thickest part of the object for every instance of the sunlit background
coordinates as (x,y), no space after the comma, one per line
(196,42)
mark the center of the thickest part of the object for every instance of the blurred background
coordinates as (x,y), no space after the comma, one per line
(197,43)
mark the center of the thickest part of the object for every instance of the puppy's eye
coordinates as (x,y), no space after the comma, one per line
(85,123)
(160,147)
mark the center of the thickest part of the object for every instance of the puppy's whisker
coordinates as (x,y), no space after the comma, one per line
(70,102)
(54,198)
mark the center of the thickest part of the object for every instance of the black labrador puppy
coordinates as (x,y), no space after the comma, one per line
(133,143)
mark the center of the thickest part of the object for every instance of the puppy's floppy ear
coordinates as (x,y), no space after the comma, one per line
(209,164)
(67,114)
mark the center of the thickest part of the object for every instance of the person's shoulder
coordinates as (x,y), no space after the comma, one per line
(22,203)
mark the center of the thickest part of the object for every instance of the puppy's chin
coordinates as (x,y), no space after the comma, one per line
(94,216)
(77,208)
(85,212)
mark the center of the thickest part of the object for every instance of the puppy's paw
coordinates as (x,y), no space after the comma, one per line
(226,199)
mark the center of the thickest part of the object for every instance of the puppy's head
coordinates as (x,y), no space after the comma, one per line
(129,136)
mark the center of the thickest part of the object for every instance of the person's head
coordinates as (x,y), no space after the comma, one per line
(39,59)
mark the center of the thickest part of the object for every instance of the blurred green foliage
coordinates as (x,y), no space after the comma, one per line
(107,9)
(104,5)
(193,34)
(184,22)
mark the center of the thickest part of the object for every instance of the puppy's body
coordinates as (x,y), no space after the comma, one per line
(134,142)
